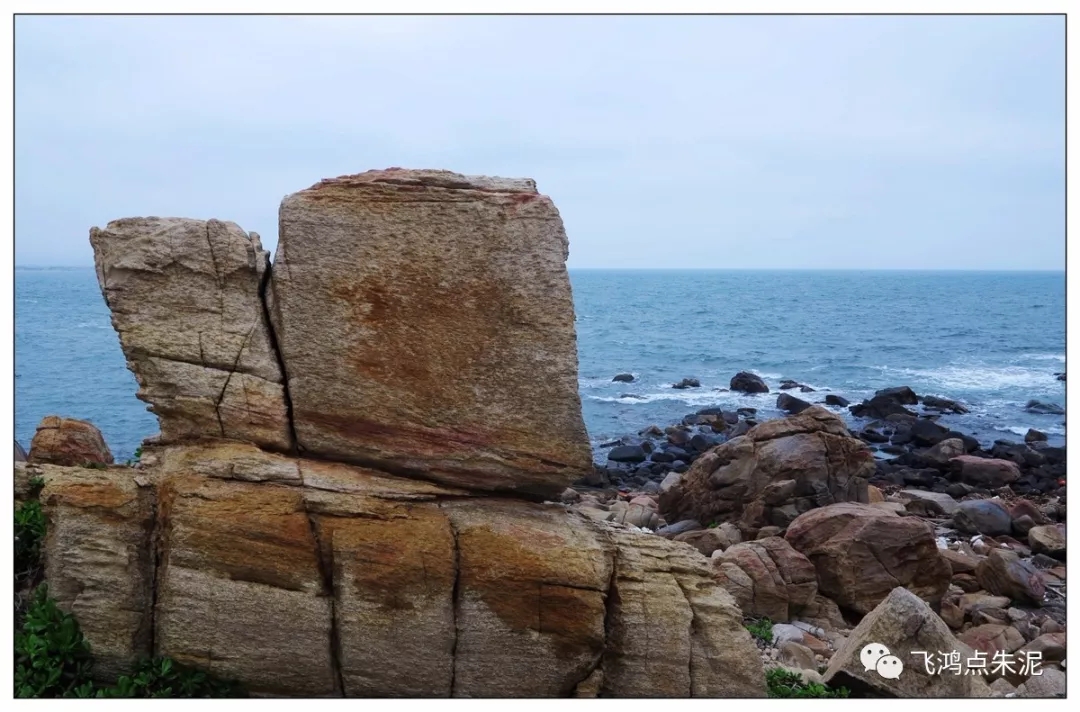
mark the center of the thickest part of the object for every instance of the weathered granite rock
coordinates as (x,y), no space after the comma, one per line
(862,552)
(708,541)
(661,589)
(1048,539)
(426,323)
(1051,683)
(777,470)
(185,300)
(944,451)
(904,624)
(767,577)
(985,472)
(946,504)
(1004,573)
(993,637)
(982,516)
(99,560)
(307,578)
(68,441)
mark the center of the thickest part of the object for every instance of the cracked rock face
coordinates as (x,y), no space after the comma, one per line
(861,552)
(185,300)
(905,625)
(307,578)
(367,526)
(773,473)
(426,323)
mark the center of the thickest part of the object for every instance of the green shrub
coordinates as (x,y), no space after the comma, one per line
(135,457)
(761,629)
(52,657)
(29,534)
(164,677)
(782,683)
(95,465)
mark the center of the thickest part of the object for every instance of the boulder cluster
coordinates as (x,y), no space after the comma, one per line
(946,547)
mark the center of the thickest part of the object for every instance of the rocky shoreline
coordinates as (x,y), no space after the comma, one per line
(978,532)
(365,485)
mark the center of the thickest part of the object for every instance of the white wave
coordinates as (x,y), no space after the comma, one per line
(1020,430)
(1045,357)
(696,396)
(979,378)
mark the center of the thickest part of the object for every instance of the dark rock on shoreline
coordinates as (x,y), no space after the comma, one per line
(791,404)
(943,404)
(747,382)
(687,383)
(623,378)
(882,405)
(837,401)
(627,453)
(1035,406)
(901,394)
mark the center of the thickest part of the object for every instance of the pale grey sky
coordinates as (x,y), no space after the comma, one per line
(737,142)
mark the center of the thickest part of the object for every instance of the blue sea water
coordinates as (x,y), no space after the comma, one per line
(990,340)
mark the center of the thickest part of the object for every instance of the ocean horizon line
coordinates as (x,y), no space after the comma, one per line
(934,270)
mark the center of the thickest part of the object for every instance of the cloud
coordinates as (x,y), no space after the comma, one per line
(665,141)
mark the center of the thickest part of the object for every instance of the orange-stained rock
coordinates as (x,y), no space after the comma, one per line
(240,590)
(777,470)
(531,591)
(767,577)
(305,578)
(426,324)
(393,570)
(68,441)
(861,552)
(99,560)
(660,589)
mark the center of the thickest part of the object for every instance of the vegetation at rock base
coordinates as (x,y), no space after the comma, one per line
(761,629)
(29,534)
(53,658)
(782,683)
(135,457)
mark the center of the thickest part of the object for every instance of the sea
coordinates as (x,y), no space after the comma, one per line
(992,340)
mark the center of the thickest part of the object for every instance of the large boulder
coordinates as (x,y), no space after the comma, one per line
(861,552)
(186,300)
(68,441)
(990,473)
(310,578)
(426,324)
(767,577)
(909,630)
(747,382)
(772,473)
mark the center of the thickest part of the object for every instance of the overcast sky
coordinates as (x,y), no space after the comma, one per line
(737,142)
